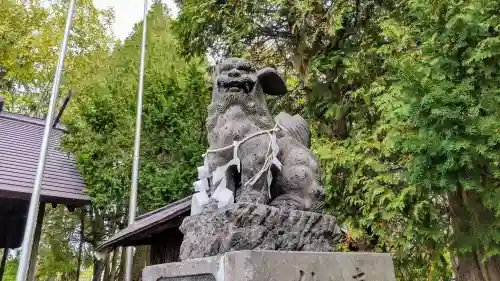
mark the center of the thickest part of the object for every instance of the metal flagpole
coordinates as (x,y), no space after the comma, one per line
(24,258)
(137,142)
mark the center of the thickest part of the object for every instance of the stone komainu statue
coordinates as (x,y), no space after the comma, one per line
(252,156)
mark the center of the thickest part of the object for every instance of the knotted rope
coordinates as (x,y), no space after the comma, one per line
(222,194)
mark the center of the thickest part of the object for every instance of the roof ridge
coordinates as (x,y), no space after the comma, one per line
(170,205)
(29,119)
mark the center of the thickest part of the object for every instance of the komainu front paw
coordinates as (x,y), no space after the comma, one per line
(252,196)
(289,201)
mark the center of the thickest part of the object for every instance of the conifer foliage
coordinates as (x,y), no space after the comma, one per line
(403,100)
(101,120)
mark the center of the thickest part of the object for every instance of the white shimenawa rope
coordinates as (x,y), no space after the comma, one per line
(222,194)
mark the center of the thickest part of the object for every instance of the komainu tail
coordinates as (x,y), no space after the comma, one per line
(295,125)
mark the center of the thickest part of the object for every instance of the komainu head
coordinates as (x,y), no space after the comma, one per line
(236,76)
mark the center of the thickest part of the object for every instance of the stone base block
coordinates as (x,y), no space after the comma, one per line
(248,226)
(277,266)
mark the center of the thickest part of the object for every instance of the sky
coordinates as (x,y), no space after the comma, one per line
(128,12)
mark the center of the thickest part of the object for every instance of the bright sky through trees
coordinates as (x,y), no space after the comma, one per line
(128,13)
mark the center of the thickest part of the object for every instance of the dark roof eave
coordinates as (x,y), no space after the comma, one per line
(147,223)
(31,120)
(49,196)
(20,141)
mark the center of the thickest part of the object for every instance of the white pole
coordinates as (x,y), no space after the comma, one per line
(137,143)
(24,258)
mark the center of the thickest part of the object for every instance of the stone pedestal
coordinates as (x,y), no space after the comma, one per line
(248,226)
(277,266)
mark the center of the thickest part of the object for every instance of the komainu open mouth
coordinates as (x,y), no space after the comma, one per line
(236,86)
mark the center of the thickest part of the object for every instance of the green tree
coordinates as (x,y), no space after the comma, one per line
(448,78)
(29,47)
(402,99)
(59,247)
(430,165)
(101,120)
(325,50)
(101,123)
(30,37)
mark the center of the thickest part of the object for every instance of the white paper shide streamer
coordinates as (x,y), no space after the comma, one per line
(200,198)
(222,194)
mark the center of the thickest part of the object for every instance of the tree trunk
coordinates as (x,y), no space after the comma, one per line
(339,127)
(109,271)
(471,268)
(123,261)
(80,244)
(107,266)
(112,271)
(97,225)
(467,216)
(98,269)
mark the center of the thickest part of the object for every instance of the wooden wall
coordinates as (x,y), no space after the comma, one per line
(165,246)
